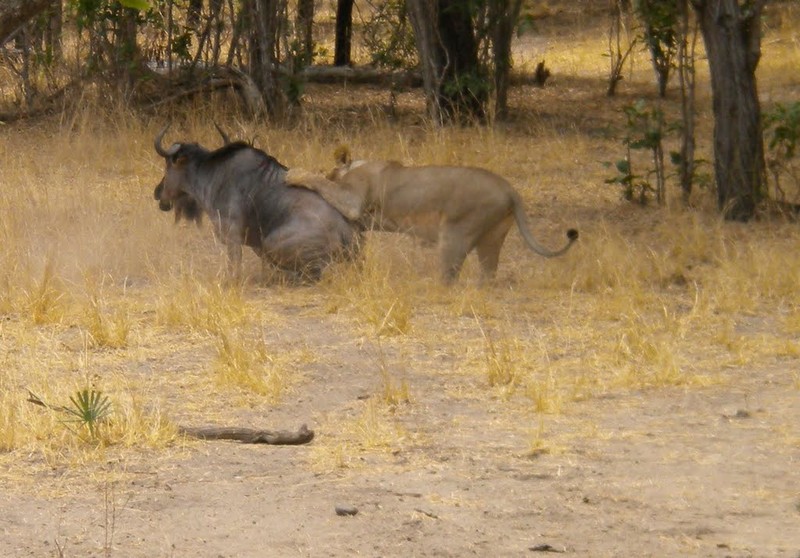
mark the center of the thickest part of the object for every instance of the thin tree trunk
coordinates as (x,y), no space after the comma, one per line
(217,9)
(344,32)
(264,25)
(55,23)
(193,13)
(733,45)
(305,29)
(686,75)
(504,18)
(126,47)
(423,14)
(170,34)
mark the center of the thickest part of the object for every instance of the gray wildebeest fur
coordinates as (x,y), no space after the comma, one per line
(244,193)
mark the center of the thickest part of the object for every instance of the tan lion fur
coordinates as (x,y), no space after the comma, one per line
(461,208)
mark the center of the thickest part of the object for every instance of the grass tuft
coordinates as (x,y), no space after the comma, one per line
(247,364)
(380,293)
(44,299)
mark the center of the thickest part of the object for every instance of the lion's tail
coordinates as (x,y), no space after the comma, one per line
(533,244)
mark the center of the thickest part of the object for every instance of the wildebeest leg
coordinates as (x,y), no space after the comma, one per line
(234,251)
(489,246)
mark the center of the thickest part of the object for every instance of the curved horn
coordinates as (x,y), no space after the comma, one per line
(225,137)
(157,142)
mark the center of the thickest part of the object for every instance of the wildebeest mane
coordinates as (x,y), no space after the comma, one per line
(232,149)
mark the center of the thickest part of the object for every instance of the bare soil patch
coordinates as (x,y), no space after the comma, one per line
(709,471)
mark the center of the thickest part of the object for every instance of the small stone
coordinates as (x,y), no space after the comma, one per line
(346,510)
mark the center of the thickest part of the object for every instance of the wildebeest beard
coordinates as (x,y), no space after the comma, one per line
(185,206)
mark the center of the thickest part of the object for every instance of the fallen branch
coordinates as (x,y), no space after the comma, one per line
(249,435)
(365,75)
(215,79)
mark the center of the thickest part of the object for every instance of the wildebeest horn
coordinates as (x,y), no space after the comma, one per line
(225,137)
(157,143)
(159,149)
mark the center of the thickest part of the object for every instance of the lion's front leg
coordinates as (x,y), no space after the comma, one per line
(453,250)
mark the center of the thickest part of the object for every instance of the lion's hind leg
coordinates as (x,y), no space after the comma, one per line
(489,246)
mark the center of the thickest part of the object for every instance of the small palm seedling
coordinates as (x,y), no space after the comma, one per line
(89,408)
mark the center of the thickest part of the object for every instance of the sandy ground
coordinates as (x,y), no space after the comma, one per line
(694,471)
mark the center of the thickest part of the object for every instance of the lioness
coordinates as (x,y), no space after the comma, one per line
(463,208)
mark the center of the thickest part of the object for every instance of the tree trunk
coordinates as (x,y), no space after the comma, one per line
(464,92)
(193,12)
(125,47)
(504,15)
(14,13)
(733,44)
(686,74)
(344,32)
(264,24)
(304,24)
(422,14)
(448,52)
(55,24)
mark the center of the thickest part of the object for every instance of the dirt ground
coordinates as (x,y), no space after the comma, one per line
(710,471)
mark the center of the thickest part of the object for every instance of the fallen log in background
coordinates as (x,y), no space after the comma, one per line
(249,435)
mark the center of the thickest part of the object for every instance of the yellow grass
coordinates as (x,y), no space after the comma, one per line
(100,289)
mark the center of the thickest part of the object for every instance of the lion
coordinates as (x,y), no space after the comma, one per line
(460,208)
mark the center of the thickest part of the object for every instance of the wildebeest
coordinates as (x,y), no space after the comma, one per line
(243,192)
(185,206)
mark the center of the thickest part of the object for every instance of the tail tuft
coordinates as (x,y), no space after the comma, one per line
(572,235)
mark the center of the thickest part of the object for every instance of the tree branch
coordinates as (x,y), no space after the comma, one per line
(250,436)
(14,13)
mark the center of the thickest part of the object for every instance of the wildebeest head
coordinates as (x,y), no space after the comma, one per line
(177,160)
(170,192)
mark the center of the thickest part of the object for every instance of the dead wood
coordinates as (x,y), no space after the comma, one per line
(189,84)
(303,435)
(52,103)
(364,75)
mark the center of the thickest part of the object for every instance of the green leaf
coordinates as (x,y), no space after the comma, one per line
(141,5)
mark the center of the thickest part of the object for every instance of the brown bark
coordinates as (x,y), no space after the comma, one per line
(686,74)
(14,13)
(304,23)
(251,436)
(731,33)
(423,15)
(264,24)
(504,16)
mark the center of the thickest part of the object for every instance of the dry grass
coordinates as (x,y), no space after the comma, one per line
(95,281)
